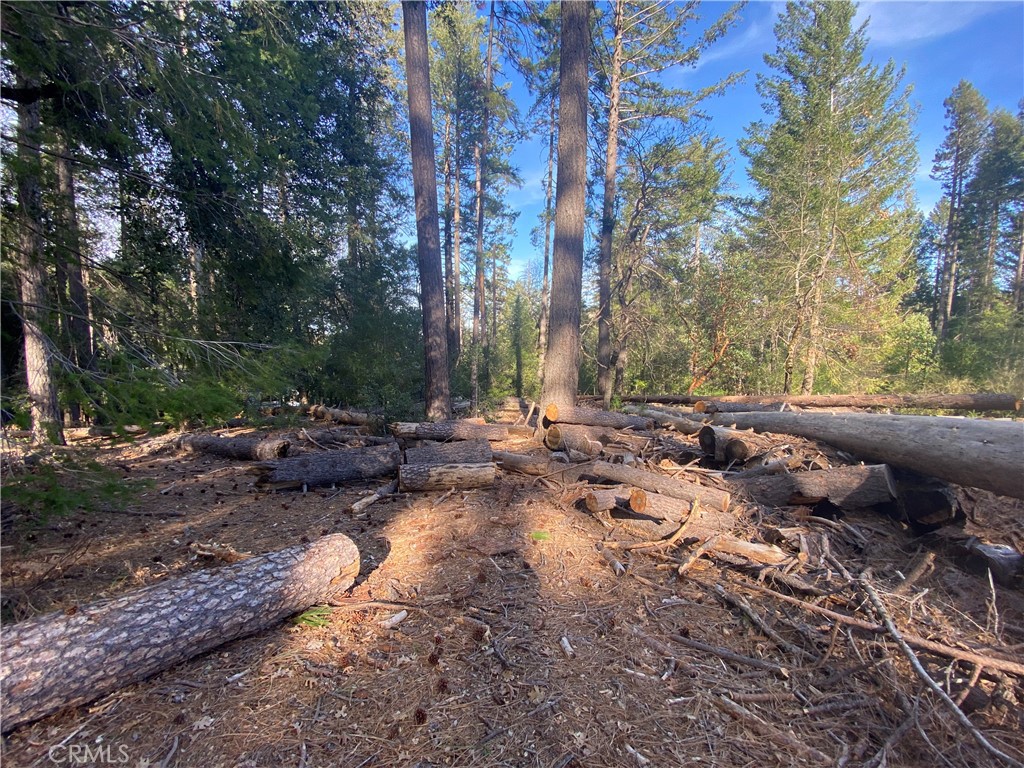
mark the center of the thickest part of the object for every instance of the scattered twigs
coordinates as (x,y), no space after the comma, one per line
(990,662)
(919,569)
(727,655)
(780,738)
(743,606)
(365,502)
(927,679)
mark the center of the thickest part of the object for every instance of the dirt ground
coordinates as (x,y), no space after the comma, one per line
(499,584)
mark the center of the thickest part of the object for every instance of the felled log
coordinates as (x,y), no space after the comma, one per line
(575,437)
(852,487)
(651,481)
(593,417)
(527,464)
(342,416)
(967,402)
(730,444)
(324,438)
(245,447)
(330,467)
(461,429)
(441,477)
(718,406)
(680,423)
(69,658)
(607,499)
(982,454)
(463,452)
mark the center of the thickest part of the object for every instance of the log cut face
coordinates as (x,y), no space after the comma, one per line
(60,660)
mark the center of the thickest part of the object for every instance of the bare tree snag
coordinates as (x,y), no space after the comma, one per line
(342,416)
(330,467)
(253,448)
(65,659)
(476,451)
(731,445)
(651,481)
(981,454)
(852,487)
(593,417)
(441,477)
(462,429)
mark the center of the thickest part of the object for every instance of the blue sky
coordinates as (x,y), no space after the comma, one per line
(939,42)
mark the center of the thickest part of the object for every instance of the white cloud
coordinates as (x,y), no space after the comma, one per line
(900,23)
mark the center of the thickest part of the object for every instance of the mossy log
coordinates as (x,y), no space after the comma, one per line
(69,658)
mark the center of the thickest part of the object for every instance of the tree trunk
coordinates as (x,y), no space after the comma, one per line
(330,467)
(594,417)
(528,465)
(573,437)
(561,363)
(451,278)
(244,448)
(477,451)
(549,220)
(982,454)
(668,486)
(726,403)
(428,245)
(450,430)
(1018,277)
(341,416)
(66,658)
(442,477)
(42,388)
(605,371)
(730,444)
(853,487)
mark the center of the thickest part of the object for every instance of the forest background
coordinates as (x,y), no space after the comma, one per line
(208,205)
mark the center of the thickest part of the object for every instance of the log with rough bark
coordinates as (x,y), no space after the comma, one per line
(718,406)
(327,438)
(593,417)
(462,452)
(72,657)
(576,437)
(607,499)
(245,447)
(968,402)
(462,429)
(854,487)
(685,424)
(974,452)
(730,444)
(527,464)
(330,467)
(442,477)
(342,416)
(652,481)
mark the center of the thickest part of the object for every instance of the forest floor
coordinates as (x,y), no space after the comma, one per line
(494,582)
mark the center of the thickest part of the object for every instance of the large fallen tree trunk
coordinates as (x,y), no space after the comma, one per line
(730,444)
(442,477)
(65,659)
(981,454)
(651,481)
(852,487)
(245,447)
(686,424)
(450,430)
(463,452)
(969,402)
(575,437)
(342,416)
(594,417)
(330,467)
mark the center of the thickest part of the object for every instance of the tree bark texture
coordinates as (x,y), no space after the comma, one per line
(561,362)
(342,416)
(428,237)
(65,659)
(853,487)
(730,444)
(244,447)
(688,424)
(42,388)
(668,486)
(574,437)
(441,477)
(450,430)
(527,464)
(593,417)
(981,454)
(969,402)
(330,467)
(476,451)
